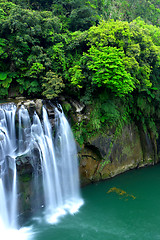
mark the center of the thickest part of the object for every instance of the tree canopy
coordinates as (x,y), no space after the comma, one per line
(102,52)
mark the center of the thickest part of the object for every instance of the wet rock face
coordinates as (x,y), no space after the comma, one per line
(90,159)
(24,165)
(32,106)
(107,157)
(104,155)
(102,143)
(29,162)
(38,106)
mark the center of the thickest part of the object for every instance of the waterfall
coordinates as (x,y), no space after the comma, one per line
(53,158)
(66,155)
(24,130)
(59,165)
(50,173)
(8,173)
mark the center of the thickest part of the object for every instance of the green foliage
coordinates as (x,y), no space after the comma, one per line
(3,92)
(3,76)
(66,107)
(76,15)
(52,85)
(129,10)
(146,109)
(76,75)
(84,13)
(5,81)
(24,36)
(106,113)
(35,70)
(141,54)
(109,70)
(80,132)
(120,57)
(112,65)
(109,112)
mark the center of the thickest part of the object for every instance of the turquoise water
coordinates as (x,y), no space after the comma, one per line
(110,216)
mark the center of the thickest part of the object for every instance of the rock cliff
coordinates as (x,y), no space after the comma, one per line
(105,155)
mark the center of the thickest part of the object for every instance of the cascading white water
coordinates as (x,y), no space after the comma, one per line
(66,155)
(24,130)
(51,181)
(59,168)
(58,160)
(8,173)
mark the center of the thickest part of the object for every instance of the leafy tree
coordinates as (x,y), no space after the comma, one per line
(75,14)
(52,85)
(128,10)
(34,4)
(109,71)
(142,55)
(25,36)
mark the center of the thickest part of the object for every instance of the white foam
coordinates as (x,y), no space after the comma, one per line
(24,233)
(71,207)
(53,217)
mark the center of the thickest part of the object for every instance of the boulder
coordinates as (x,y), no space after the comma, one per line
(31,106)
(39,105)
(24,165)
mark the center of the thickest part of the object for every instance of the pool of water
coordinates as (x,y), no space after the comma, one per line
(125,207)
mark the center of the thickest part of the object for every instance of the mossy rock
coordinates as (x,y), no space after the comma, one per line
(25,177)
(66,106)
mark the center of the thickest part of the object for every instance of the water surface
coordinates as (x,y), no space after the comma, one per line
(134,215)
